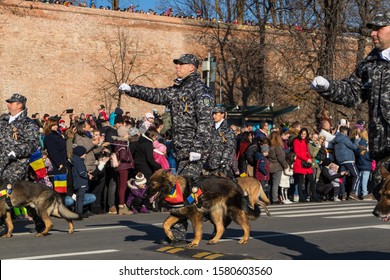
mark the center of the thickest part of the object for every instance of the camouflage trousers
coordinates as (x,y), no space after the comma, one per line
(12,171)
(192,170)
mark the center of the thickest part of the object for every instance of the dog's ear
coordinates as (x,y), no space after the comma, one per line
(384,172)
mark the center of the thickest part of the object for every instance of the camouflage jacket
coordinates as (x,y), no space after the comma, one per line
(191,104)
(369,82)
(20,136)
(222,148)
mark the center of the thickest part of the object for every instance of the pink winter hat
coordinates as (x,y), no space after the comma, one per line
(159,147)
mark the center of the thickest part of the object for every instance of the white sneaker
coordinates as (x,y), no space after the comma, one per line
(287,201)
(336,199)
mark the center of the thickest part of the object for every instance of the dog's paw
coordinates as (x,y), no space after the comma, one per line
(212,241)
(193,244)
(243,241)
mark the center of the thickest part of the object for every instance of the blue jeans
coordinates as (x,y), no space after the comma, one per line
(362,187)
(88,199)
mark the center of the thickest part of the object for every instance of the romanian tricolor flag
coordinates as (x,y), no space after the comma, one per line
(60,183)
(38,164)
(175,196)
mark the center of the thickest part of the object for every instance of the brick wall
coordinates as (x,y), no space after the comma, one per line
(50,53)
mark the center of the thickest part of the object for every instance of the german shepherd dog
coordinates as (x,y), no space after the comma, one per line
(382,209)
(221,200)
(45,201)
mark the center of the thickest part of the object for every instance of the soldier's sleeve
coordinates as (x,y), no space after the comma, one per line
(229,145)
(151,95)
(204,118)
(349,92)
(28,141)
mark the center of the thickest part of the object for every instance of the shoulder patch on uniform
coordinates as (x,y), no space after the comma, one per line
(206,100)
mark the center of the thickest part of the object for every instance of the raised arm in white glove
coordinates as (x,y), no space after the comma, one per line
(124,87)
(195,156)
(319,84)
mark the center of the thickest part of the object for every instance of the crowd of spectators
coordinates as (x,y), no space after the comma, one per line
(168,13)
(293,163)
(297,164)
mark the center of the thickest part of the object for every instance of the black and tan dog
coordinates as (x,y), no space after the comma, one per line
(45,201)
(221,200)
(382,209)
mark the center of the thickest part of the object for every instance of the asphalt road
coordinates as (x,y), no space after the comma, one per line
(311,231)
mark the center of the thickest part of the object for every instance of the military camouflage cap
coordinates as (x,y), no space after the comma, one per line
(16,97)
(219,109)
(380,19)
(187,59)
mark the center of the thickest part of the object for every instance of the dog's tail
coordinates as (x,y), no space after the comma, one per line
(66,213)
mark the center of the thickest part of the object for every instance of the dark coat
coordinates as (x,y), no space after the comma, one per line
(143,157)
(79,172)
(55,145)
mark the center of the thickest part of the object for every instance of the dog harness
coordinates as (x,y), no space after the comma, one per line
(176,195)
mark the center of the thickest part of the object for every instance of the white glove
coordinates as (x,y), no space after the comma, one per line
(195,156)
(124,87)
(319,84)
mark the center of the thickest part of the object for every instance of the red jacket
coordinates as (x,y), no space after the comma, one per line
(301,149)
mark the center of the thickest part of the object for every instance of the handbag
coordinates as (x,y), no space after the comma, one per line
(306,164)
(114,160)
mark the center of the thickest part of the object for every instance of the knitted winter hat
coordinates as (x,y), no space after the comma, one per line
(159,147)
(140,179)
(122,131)
(79,151)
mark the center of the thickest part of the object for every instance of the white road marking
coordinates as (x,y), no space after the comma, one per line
(326,210)
(310,232)
(67,255)
(91,229)
(319,214)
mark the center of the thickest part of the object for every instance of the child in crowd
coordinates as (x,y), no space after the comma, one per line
(80,177)
(262,168)
(137,197)
(336,182)
(364,165)
(286,178)
(160,154)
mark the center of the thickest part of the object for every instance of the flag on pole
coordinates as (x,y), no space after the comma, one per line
(38,164)
(60,183)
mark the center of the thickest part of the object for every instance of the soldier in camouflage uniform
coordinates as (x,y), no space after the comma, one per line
(223,145)
(369,82)
(19,139)
(191,103)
